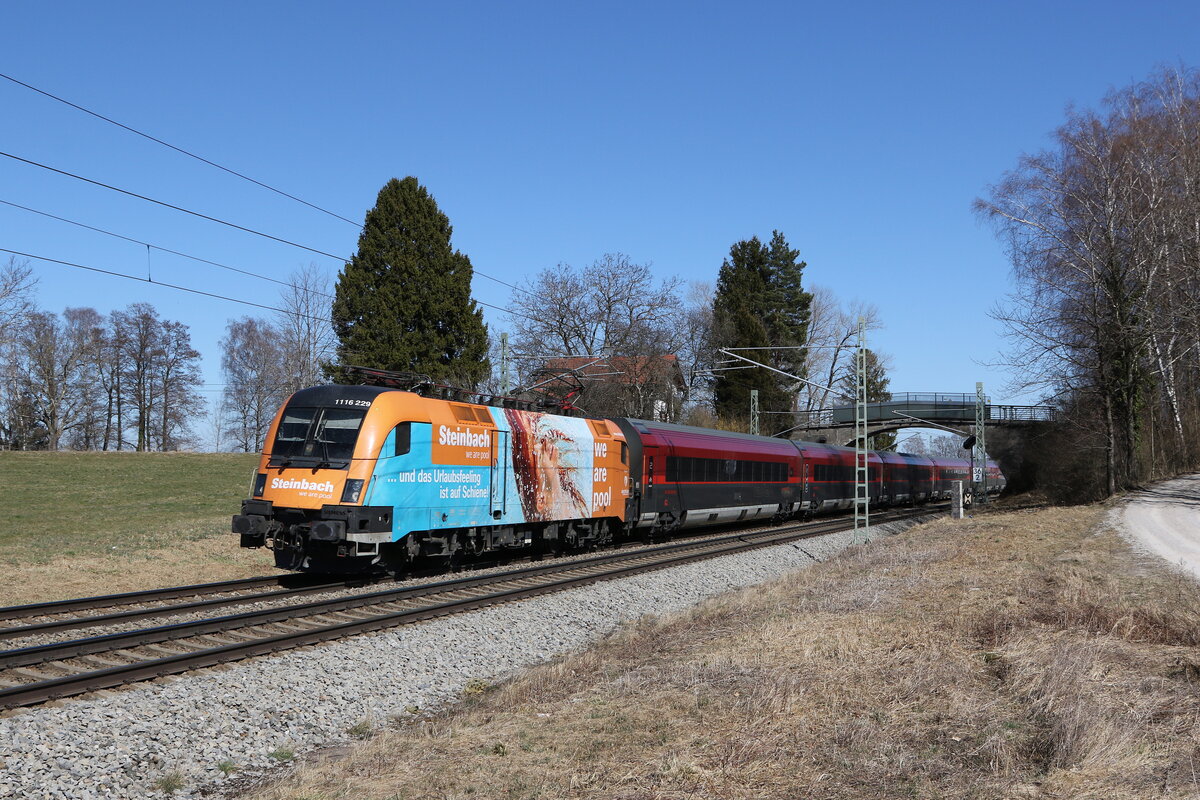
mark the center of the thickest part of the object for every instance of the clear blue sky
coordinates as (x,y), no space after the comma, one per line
(555,133)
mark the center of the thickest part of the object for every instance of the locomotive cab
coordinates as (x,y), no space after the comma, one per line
(308,491)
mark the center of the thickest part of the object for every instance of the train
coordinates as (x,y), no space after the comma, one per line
(370,478)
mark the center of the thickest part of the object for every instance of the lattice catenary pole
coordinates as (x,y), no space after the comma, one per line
(862,497)
(754,412)
(504,363)
(980,445)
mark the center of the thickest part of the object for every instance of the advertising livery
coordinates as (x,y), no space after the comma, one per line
(352,474)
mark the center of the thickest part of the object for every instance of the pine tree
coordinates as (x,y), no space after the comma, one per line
(877,382)
(403,302)
(759,303)
(739,321)
(790,306)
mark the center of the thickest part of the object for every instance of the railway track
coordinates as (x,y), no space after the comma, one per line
(36,674)
(150,596)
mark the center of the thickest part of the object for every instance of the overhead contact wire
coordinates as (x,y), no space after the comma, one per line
(187,153)
(224,222)
(171,206)
(163,249)
(212,163)
(160,283)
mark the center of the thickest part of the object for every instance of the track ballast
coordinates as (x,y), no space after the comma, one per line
(33,675)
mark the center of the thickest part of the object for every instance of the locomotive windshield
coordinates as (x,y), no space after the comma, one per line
(317,437)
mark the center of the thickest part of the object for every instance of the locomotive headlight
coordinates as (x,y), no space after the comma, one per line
(260,483)
(352,491)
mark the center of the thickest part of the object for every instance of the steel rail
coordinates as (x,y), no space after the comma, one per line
(60,651)
(72,623)
(675,554)
(144,596)
(149,595)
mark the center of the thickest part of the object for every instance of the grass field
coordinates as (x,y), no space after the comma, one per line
(1021,654)
(86,523)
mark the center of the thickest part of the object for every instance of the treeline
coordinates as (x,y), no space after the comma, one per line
(636,345)
(639,346)
(1104,233)
(263,361)
(650,348)
(127,380)
(130,380)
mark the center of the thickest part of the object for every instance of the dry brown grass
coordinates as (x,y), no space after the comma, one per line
(1022,654)
(203,552)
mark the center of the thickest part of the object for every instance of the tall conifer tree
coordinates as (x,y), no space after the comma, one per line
(760,302)
(403,302)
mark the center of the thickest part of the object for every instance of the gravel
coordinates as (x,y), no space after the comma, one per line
(50,637)
(256,714)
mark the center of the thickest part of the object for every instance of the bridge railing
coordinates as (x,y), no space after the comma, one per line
(1022,413)
(941,408)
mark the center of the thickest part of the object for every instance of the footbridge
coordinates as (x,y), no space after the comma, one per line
(958,412)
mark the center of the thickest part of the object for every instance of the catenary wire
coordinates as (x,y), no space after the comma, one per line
(190,154)
(216,219)
(160,283)
(163,249)
(207,294)
(169,205)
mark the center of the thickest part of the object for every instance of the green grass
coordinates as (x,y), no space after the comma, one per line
(87,504)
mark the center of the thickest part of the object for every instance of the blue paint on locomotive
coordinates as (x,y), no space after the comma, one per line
(426,496)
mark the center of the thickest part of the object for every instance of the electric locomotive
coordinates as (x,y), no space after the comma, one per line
(359,477)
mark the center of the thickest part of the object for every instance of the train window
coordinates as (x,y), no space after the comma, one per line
(403,438)
(293,429)
(463,413)
(672,469)
(334,434)
(624,453)
(483,416)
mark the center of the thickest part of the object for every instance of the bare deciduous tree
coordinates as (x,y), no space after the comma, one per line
(832,338)
(256,380)
(304,330)
(51,370)
(611,309)
(1104,233)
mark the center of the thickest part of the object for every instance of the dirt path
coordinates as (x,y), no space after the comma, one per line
(1166,519)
